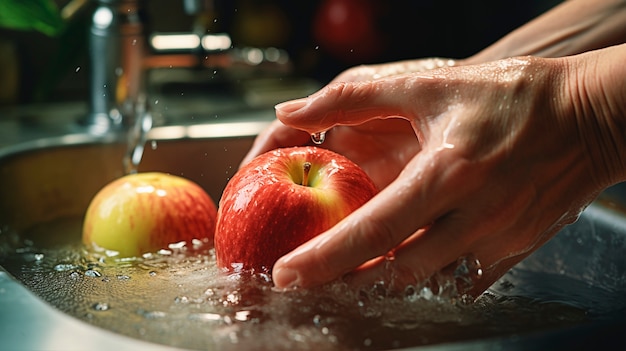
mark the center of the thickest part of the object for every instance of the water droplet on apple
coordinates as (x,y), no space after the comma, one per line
(318,138)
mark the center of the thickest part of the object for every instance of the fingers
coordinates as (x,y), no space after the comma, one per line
(371,231)
(275,136)
(421,256)
(346,103)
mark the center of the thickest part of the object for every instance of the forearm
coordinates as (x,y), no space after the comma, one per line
(572,27)
(596,96)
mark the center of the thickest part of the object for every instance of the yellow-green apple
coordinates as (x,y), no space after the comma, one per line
(145,212)
(282,199)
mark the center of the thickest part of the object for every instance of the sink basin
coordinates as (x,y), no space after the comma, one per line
(582,271)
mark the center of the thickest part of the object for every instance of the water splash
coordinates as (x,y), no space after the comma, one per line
(210,310)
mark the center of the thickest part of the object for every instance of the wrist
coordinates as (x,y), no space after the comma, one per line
(598,102)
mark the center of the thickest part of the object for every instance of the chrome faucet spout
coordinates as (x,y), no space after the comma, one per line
(116,50)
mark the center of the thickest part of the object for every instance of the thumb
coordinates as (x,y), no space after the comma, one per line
(352,103)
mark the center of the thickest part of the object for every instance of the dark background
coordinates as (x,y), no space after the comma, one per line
(56,68)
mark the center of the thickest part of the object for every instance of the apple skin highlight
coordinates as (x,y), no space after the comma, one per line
(145,212)
(265,210)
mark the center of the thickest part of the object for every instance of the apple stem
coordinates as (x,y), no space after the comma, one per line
(306,167)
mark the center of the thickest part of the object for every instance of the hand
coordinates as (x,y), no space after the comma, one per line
(375,137)
(500,167)
(364,73)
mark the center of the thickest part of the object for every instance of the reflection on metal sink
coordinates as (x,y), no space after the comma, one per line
(44,180)
(51,178)
(59,176)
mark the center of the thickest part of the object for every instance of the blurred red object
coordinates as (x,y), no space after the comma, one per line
(348,29)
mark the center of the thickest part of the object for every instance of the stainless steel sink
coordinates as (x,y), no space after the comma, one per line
(46,179)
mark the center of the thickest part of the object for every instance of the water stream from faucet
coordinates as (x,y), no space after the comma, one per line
(137,135)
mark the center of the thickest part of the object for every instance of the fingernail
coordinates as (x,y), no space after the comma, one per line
(286,278)
(291,106)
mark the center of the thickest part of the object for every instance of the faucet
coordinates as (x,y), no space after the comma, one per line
(116,50)
(119,59)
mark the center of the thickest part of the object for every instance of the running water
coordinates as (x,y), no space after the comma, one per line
(137,134)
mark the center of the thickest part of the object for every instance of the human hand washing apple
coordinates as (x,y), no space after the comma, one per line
(282,199)
(144,212)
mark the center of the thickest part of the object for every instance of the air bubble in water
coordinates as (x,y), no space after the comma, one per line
(100,306)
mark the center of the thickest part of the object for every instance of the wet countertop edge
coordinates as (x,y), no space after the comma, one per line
(20,124)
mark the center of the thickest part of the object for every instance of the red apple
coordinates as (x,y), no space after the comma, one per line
(282,199)
(145,212)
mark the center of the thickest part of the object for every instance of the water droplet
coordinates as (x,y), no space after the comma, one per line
(63,267)
(153,145)
(100,306)
(317,320)
(242,316)
(92,273)
(177,246)
(205,317)
(77,69)
(181,299)
(318,138)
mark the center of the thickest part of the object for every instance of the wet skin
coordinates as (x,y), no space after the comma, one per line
(484,159)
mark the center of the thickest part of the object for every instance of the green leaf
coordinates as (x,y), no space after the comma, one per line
(39,15)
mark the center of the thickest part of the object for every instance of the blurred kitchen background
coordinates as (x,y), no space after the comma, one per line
(320,38)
